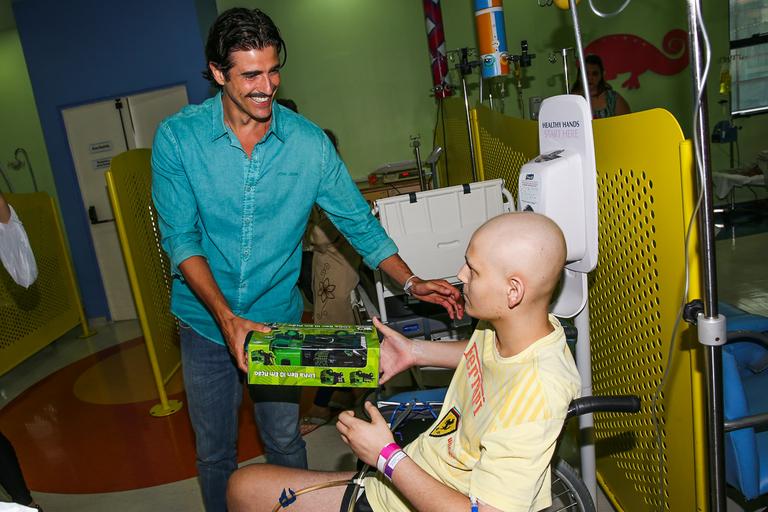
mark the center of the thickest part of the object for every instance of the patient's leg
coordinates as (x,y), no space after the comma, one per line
(258,488)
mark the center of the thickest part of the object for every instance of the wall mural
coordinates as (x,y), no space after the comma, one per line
(628,53)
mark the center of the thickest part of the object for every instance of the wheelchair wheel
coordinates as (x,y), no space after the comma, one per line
(568,490)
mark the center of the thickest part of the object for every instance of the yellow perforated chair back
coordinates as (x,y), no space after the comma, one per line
(455,141)
(31,318)
(645,199)
(129,182)
(646,196)
(504,145)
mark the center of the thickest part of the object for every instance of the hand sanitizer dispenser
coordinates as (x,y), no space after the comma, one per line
(561,183)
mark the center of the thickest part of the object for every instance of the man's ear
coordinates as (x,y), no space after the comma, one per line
(515,291)
(218,75)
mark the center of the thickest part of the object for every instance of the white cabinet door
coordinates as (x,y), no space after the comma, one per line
(148,109)
(96,133)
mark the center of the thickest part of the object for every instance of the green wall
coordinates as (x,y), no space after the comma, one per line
(20,126)
(361,68)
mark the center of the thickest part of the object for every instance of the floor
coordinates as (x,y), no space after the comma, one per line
(105,371)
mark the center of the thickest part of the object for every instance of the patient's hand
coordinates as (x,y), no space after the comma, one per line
(396,352)
(365,439)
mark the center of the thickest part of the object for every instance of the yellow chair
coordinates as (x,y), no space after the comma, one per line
(129,182)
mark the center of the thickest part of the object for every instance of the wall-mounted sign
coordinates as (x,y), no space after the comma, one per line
(100,147)
(101,164)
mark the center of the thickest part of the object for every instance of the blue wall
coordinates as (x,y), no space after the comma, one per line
(81,51)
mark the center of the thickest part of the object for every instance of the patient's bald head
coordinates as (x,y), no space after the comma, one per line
(522,248)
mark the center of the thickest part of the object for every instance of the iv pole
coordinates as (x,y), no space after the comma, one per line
(711,326)
(465,68)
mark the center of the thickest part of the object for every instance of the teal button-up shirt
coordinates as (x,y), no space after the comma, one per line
(247,216)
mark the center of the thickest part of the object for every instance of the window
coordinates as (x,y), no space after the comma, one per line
(749,56)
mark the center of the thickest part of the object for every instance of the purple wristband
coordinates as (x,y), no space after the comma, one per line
(393,460)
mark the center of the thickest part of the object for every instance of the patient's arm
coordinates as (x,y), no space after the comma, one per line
(398,353)
(424,492)
(427,494)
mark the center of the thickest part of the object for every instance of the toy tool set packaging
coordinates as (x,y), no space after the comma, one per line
(314,355)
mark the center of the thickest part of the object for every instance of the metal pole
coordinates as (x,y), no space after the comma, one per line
(469,128)
(580,54)
(586,421)
(416,143)
(713,363)
(565,70)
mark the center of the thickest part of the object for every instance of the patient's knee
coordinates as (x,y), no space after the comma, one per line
(243,488)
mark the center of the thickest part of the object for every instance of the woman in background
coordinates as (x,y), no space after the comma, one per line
(606,102)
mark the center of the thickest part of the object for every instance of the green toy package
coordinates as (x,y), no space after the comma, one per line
(314,355)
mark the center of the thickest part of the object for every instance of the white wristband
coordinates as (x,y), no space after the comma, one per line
(408,285)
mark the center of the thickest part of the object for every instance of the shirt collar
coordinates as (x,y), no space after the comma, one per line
(219,129)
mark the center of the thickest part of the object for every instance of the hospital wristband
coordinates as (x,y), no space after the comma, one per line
(408,285)
(385,454)
(393,460)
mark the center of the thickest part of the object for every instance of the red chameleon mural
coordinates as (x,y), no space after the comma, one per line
(627,53)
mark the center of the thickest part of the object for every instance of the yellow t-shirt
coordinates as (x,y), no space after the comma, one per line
(498,427)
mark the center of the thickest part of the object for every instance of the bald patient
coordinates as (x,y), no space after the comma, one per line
(503,411)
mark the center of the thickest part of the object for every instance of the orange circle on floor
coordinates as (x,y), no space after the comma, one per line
(71,437)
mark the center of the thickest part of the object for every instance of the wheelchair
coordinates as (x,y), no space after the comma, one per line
(412,412)
(745,403)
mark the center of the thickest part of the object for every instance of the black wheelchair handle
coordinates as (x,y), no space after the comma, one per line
(590,404)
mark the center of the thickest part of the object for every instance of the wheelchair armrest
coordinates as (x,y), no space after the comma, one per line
(755,420)
(589,404)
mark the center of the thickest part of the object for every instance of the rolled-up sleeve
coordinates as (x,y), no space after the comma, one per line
(340,198)
(174,201)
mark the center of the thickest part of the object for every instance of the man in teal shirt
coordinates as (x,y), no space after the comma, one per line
(234,180)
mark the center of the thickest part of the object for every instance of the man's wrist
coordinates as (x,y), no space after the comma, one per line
(409,284)
(223,315)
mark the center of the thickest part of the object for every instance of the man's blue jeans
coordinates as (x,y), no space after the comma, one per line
(214,389)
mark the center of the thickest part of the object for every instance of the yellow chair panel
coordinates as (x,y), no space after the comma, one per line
(129,182)
(645,191)
(503,145)
(32,318)
(455,141)
(645,199)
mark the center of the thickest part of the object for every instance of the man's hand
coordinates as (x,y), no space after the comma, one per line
(365,439)
(439,291)
(235,329)
(396,353)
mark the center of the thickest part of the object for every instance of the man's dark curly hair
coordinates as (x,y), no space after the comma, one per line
(240,29)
